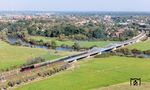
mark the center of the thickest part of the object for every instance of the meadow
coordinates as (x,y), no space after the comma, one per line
(145,45)
(94,73)
(17,55)
(126,86)
(86,44)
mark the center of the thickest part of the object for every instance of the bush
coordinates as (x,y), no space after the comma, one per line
(76,46)
(11,83)
(135,51)
(124,51)
(147,52)
(3,88)
(18,42)
(64,46)
(34,61)
(18,82)
(93,46)
(53,44)
(140,56)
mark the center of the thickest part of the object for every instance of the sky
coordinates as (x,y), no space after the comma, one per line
(75,5)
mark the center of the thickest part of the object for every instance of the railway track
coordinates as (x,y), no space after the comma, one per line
(31,72)
(90,52)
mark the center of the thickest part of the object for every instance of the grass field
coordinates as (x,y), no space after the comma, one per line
(95,73)
(126,86)
(141,45)
(70,43)
(16,55)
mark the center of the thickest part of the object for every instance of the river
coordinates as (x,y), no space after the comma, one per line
(13,40)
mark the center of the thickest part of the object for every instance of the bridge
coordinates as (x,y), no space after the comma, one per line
(6,76)
(96,51)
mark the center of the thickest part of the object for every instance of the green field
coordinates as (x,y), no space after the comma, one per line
(126,86)
(141,45)
(70,43)
(17,55)
(95,73)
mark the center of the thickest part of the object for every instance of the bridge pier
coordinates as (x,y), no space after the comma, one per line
(137,41)
(75,61)
(132,42)
(100,53)
(114,49)
(88,56)
(122,46)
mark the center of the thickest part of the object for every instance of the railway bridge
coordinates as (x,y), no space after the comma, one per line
(78,56)
(20,74)
(96,51)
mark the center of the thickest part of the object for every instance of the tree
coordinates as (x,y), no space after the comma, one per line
(61,37)
(76,46)
(18,42)
(130,33)
(53,45)
(48,33)
(80,37)
(99,33)
(48,44)
(3,34)
(41,42)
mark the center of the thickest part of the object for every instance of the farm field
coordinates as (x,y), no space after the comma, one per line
(17,55)
(95,73)
(70,43)
(141,45)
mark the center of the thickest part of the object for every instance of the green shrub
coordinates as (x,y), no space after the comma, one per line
(147,52)
(34,61)
(135,51)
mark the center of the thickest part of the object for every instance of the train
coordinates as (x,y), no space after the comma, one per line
(29,67)
(81,55)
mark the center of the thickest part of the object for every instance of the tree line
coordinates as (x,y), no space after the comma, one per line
(61,30)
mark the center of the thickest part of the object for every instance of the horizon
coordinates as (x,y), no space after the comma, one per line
(75,11)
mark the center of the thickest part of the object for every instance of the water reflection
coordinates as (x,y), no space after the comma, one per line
(13,40)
